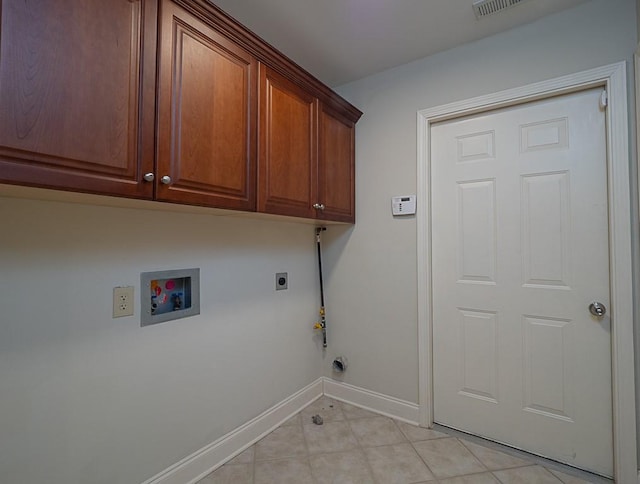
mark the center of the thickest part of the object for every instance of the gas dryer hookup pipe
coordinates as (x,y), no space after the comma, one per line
(322,324)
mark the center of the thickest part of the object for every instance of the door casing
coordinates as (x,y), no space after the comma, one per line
(613,78)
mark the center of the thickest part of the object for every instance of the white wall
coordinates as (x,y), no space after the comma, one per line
(372,293)
(85,398)
(88,398)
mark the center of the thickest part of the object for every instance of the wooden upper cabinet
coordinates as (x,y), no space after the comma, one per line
(307,153)
(77,89)
(169,100)
(336,167)
(288,156)
(207,108)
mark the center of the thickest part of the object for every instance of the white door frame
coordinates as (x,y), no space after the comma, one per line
(613,78)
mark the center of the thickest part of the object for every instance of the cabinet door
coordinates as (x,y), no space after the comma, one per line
(207,115)
(336,167)
(77,89)
(288,147)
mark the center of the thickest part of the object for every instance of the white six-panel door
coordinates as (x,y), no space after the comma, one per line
(519,251)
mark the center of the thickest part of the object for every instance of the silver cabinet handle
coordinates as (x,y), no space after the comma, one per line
(166,179)
(318,206)
(597,309)
(149,177)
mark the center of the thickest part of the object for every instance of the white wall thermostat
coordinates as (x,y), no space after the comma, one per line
(405,205)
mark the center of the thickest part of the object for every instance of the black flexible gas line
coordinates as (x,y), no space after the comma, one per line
(323,321)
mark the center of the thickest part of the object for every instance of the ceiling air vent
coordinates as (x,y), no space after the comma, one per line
(482,8)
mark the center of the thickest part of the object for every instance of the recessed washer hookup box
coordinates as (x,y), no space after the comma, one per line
(168,295)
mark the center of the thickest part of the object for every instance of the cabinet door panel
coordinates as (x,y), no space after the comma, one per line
(288,149)
(77,94)
(336,167)
(207,102)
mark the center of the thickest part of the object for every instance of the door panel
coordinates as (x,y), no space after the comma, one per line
(547,382)
(336,167)
(546,227)
(94,62)
(478,332)
(207,134)
(288,150)
(476,232)
(519,250)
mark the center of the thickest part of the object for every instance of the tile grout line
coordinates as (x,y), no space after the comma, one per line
(533,464)
(436,478)
(359,444)
(362,451)
(461,442)
(253,463)
(486,468)
(493,471)
(422,458)
(529,464)
(532,459)
(474,455)
(306,446)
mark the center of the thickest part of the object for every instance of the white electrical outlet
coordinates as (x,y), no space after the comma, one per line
(122,301)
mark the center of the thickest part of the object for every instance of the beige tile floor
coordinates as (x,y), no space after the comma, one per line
(357,446)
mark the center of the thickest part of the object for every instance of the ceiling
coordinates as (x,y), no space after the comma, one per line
(339,41)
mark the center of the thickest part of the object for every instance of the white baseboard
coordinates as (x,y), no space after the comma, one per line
(376,402)
(196,466)
(204,461)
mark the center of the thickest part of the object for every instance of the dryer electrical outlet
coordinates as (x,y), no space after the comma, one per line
(122,301)
(282,281)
